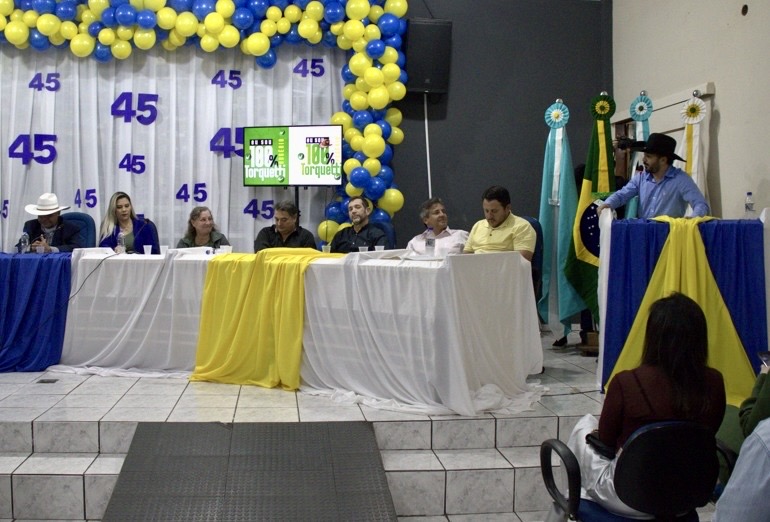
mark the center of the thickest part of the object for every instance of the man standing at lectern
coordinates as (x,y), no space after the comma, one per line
(663,189)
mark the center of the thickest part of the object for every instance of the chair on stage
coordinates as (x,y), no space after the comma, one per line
(537,260)
(666,469)
(86,224)
(390,233)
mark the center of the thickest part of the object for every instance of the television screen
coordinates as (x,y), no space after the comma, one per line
(292,155)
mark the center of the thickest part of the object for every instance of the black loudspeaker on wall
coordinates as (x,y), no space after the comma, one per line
(428,47)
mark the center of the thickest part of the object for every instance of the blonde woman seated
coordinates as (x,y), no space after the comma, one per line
(201,231)
(121,221)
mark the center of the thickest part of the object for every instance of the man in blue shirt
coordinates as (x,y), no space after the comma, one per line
(663,189)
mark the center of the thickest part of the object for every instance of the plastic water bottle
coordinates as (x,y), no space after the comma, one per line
(748,207)
(430,243)
(121,248)
(24,243)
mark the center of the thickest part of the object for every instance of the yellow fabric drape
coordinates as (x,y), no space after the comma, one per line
(683,267)
(252,318)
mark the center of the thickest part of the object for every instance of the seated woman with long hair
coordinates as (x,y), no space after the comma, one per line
(672,383)
(121,219)
(202,231)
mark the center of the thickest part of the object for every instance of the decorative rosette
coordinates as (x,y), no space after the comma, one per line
(693,111)
(641,108)
(557,115)
(602,107)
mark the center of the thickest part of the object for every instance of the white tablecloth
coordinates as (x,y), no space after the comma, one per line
(134,312)
(453,336)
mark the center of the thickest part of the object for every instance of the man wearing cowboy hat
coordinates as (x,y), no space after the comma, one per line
(49,230)
(663,189)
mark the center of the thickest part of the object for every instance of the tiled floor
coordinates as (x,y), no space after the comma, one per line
(62,411)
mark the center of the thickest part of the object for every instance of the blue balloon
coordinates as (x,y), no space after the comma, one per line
(242,18)
(347,75)
(386,128)
(276,40)
(386,175)
(359,177)
(360,156)
(345,202)
(240,3)
(302,4)
(282,4)
(379,215)
(347,151)
(146,19)
(44,7)
(26,5)
(102,53)
(125,14)
(329,40)
(401,26)
(403,77)
(179,6)
(401,60)
(334,12)
(375,48)
(38,41)
(113,3)
(387,156)
(161,34)
(201,8)
(335,213)
(395,41)
(375,189)
(388,24)
(67,10)
(293,36)
(108,17)
(258,7)
(347,107)
(267,60)
(361,119)
(93,29)
(378,114)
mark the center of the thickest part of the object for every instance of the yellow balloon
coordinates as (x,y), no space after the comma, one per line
(353,30)
(154,5)
(229,37)
(30,19)
(373,128)
(209,43)
(268,28)
(393,116)
(343,43)
(283,25)
(273,13)
(124,33)
(359,63)
(378,97)
(397,91)
(225,8)
(56,39)
(391,201)
(373,165)
(257,44)
(396,136)
(145,39)
(82,45)
(357,143)
(359,45)
(348,91)
(359,101)
(88,17)
(106,36)
(23,46)
(374,76)
(316,37)
(121,49)
(337,27)
(390,72)
(372,32)
(373,146)
(350,164)
(47,24)
(293,13)
(167,45)
(186,24)
(352,191)
(176,39)
(68,30)
(375,13)
(327,229)
(315,10)
(362,86)
(16,14)
(351,133)
(307,28)
(389,56)
(357,9)
(396,7)
(6,7)
(137,4)
(341,118)
(201,31)
(214,24)
(3,22)
(16,32)
(83,28)
(166,18)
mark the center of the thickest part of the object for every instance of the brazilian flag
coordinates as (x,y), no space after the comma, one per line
(582,266)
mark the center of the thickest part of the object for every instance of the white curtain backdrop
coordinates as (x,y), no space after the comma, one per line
(74,101)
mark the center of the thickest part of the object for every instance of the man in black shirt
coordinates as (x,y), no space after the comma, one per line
(361,233)
(286,232)
(49,231)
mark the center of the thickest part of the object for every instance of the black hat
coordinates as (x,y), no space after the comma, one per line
(660,144)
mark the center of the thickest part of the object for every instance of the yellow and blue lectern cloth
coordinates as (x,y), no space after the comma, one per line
(252,317)
(719,264)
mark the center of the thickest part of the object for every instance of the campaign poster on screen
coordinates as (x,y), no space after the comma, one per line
(292,155)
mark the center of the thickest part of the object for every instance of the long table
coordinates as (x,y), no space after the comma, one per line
(455,335)
(33,300)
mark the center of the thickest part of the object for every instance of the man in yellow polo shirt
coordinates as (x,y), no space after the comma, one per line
(500,230)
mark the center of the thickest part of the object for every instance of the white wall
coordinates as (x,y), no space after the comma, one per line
(666,46)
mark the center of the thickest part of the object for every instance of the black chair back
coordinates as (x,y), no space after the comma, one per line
(667,468)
